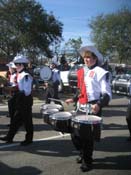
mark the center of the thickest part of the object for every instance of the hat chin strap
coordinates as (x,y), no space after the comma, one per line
(20,68)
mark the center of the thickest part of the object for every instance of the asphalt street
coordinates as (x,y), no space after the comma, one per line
(53,153)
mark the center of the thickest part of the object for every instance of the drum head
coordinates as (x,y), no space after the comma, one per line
(51,106)
(45,73)
(50,111)
(61,116)
(87,119)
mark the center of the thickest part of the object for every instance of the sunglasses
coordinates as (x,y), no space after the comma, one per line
(17,64)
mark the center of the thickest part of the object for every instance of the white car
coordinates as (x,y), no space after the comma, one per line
(64,80)
(69,77)
(64,77)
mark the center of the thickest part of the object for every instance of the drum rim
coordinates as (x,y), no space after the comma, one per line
(51,110)
(49,106)
(75,119)
(54,117)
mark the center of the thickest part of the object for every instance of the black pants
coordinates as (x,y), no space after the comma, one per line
(84,142)
(128,117)
(11,106)
(52,92)
(129,125)
(22,116)
(85,146)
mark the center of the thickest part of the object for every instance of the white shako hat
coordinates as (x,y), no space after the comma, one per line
(11,64)
(20,59)
(92,49)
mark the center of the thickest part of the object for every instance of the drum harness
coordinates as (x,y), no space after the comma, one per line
(86,108)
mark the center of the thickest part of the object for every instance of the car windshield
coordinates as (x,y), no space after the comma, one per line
(124,77)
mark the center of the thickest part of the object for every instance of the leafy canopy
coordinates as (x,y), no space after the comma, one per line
(112,34)
(26,27)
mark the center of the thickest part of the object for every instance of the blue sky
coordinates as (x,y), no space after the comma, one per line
(75,14)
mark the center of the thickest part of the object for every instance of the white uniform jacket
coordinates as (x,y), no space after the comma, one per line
(24,81)
(56,75)
(96,83)
(13,79)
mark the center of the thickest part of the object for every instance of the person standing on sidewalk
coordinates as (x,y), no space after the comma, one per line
(23,103)
(93,93)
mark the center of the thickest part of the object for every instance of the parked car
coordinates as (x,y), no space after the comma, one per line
(121,84)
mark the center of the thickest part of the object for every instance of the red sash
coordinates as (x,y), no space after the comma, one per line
(81,85)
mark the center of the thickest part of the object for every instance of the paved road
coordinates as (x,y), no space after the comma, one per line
(53,154)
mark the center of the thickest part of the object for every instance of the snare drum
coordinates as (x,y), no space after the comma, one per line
(87,126)
(61,121)
(51,106)
(46,113)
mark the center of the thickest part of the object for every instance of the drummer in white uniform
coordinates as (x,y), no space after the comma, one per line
(93,93)
(23,103)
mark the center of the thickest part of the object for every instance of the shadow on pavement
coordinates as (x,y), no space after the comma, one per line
(121,162)
(113,151)
(28,170)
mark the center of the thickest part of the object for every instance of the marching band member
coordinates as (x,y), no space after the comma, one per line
(52,86)
(12,78)
(93,91)
(128,119)
(12,74)
(23,103)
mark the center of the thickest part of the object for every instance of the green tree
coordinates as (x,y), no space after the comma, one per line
(73,45)
(26,27)
(112,34)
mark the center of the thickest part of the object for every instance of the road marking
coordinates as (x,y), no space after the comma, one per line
(36,140)
(3,106)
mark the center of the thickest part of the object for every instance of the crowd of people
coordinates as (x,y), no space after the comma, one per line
(92,94)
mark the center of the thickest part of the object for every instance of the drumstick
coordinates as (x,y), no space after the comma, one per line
(53,99)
